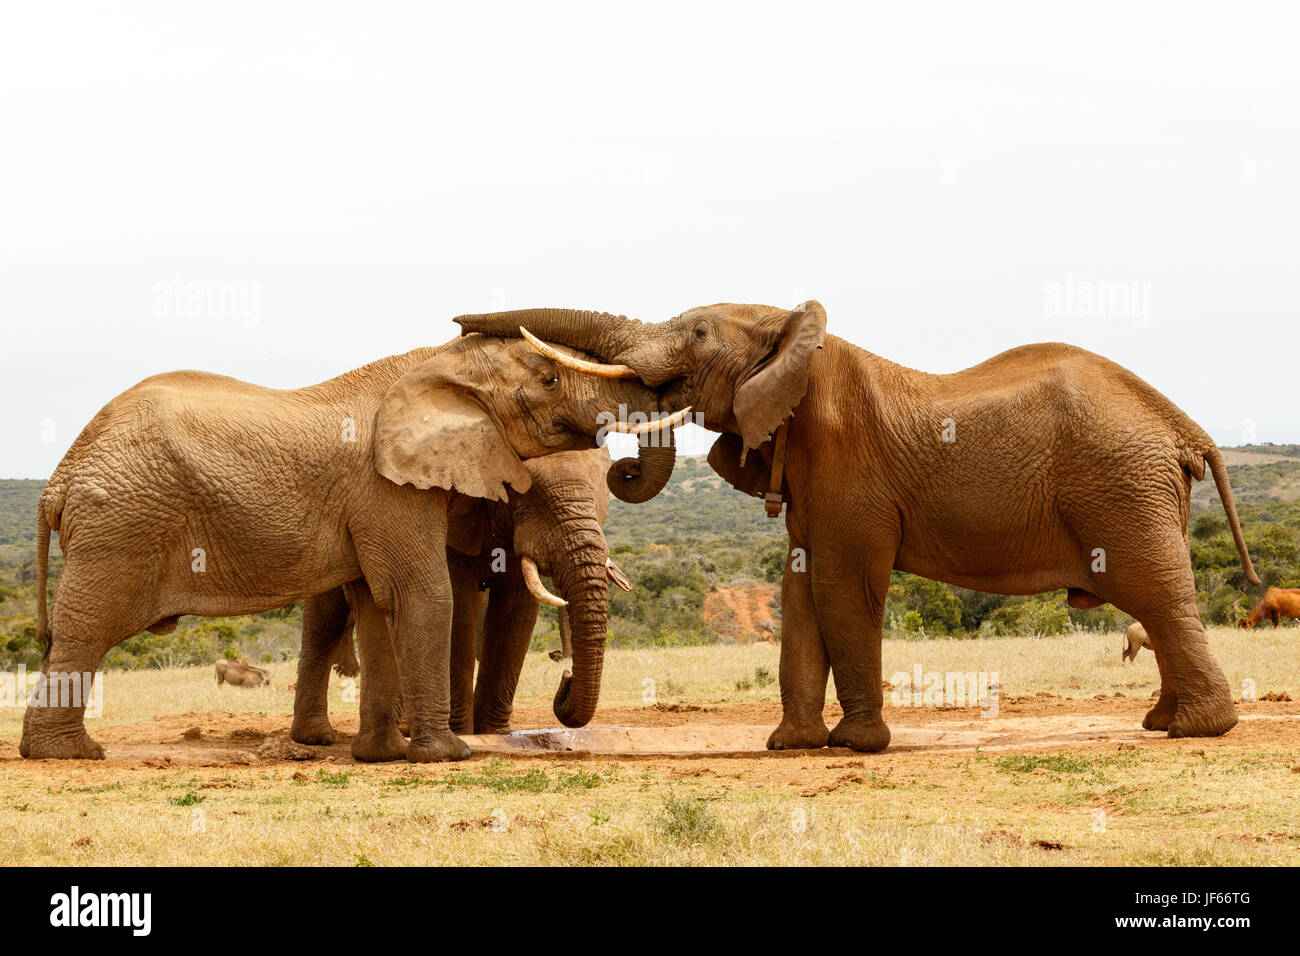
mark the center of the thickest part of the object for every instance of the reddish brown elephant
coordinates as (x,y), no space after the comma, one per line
(1044,467)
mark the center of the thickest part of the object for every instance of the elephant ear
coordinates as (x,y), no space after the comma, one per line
(433,430)
(467,522)
(766,399)
(754,477)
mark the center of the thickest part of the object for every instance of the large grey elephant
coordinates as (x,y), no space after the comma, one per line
(497,552)
(193,493)
(1044,467)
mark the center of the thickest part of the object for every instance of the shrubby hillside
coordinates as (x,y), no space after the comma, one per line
(700,535)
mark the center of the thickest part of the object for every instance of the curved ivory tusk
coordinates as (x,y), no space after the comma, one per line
(534,582)
(645,428)
(577,364)
(616,575)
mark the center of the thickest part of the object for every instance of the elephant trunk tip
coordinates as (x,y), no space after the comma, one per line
(567,711)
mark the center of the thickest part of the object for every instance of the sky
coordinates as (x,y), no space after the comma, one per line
(281,192)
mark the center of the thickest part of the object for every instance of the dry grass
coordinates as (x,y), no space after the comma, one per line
(1192,802)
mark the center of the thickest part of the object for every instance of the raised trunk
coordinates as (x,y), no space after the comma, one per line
(600,334)
(639,479)
(596,333)
(585,586)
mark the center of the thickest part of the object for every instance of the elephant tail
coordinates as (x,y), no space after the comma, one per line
(49,517)
(1220,472)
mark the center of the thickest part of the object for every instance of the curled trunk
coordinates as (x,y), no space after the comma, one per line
(585,585)
(636,480)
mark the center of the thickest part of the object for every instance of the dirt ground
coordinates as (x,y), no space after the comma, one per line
(672,734)
(674,772)
(735,611)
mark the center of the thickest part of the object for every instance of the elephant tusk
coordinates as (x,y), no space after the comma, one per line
(616,575)
(577,364)
(534,582)
(645,428)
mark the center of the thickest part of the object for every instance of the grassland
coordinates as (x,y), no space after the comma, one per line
(1129,798)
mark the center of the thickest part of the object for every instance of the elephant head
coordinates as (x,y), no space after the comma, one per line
(743,368)
(467,417)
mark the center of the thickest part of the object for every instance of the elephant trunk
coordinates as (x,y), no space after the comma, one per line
(584,584)
(636,480)
(597,333)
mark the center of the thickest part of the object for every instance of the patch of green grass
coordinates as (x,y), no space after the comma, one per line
(405,781)
(339,779)
(102,788)
(687,820)
(1053,763)
(578,780)
(498,777)
(763,677)
(190,798)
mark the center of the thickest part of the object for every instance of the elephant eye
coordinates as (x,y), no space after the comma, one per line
(700,332)
(552,381)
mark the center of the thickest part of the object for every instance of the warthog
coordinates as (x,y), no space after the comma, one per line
(1135,638)
(241,675)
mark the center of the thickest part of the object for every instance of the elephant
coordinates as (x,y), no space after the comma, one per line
(1276,604)
(237,674)
(496,552)
(1045,467)
(194,493)
(1135,638)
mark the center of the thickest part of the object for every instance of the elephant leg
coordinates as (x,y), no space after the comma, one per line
(508,630)
(804,667)
(405,566)
(420,623)
(324,626)
(1161,715)
(96,606)
(1159,589)
(54,723)
(379,738)
(851,615)
(466,600)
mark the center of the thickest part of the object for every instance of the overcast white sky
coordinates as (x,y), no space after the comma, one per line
(949,180)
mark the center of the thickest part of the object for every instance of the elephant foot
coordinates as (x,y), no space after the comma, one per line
(440,747)
(379,746)
(861,733)
(77,746)
(798,735)
(1213,718)
(1161,715)
(317,733)
(493,729)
